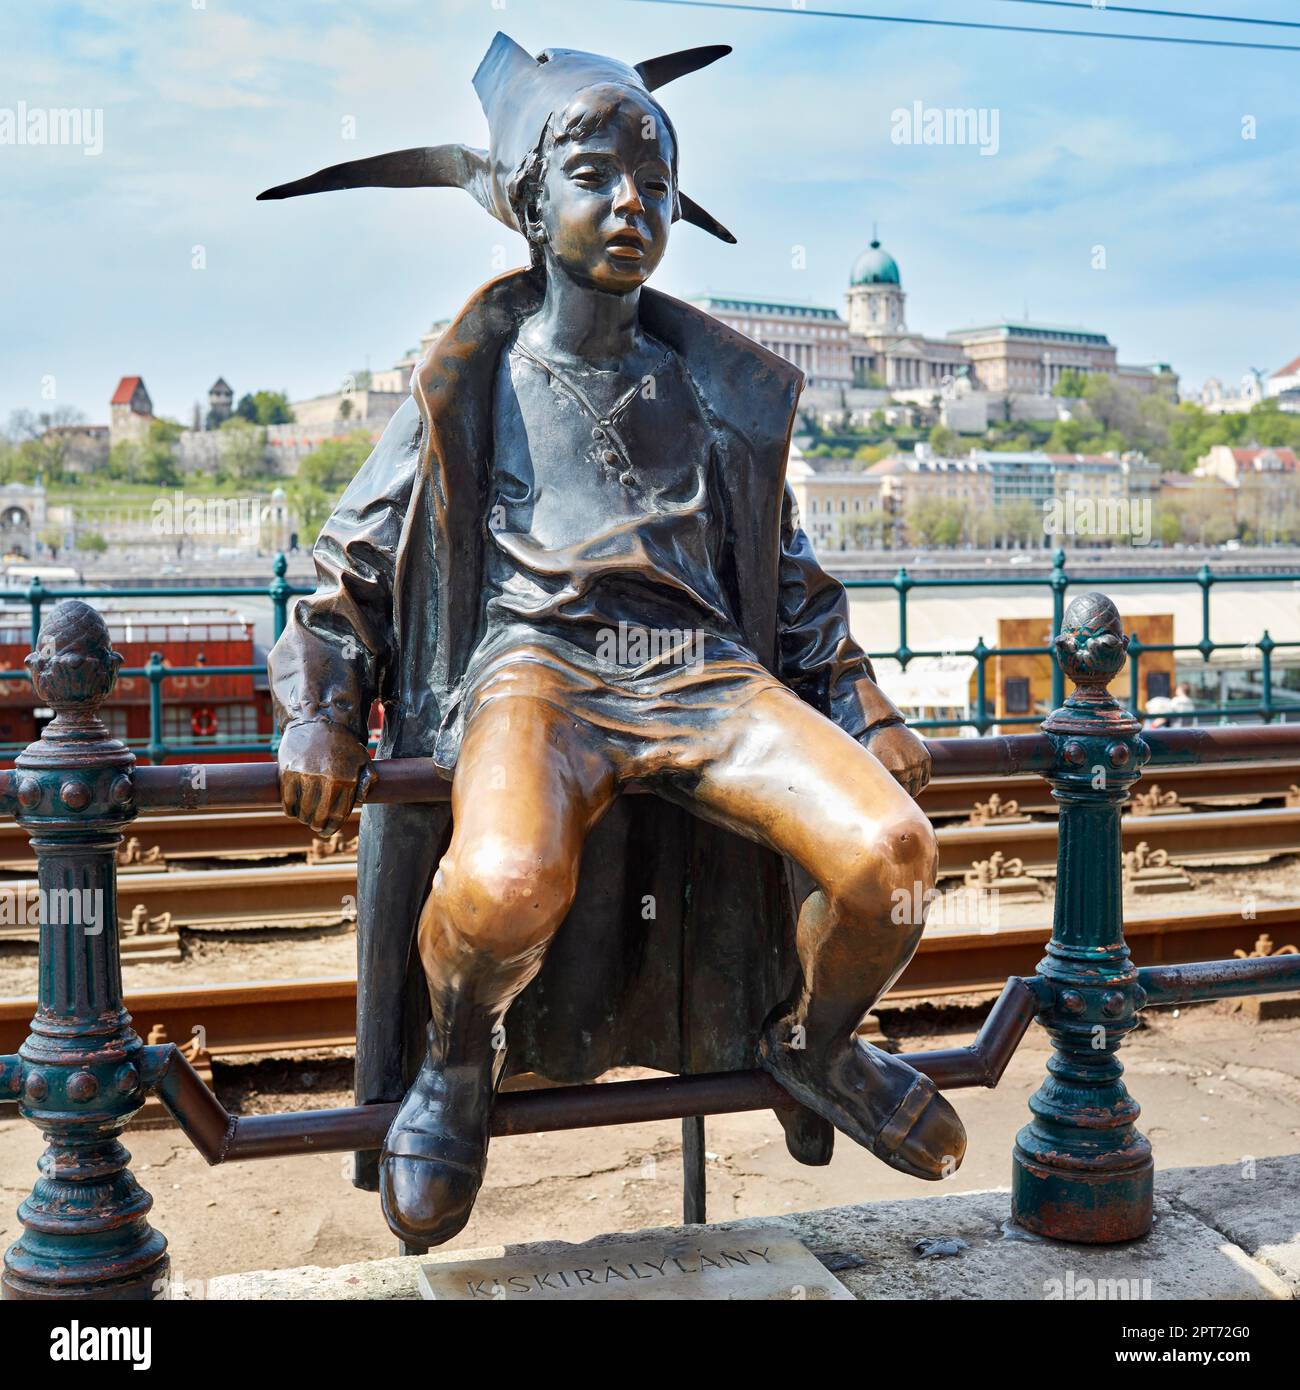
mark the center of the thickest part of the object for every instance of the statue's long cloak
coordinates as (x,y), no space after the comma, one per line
(680,940)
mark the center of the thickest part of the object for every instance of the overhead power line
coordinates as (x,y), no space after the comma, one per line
(1108,8)
(975,24)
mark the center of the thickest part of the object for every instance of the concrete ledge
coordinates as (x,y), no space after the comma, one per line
(1227,1233)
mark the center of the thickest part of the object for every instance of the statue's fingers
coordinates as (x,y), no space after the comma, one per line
(290,793)
(309,800)
(334,809)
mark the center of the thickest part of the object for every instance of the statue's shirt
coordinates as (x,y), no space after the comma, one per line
(604,535)
(597,520)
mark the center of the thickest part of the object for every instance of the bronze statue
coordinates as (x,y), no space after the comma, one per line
(572,565)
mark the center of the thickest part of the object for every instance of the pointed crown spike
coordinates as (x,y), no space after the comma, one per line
(519,95)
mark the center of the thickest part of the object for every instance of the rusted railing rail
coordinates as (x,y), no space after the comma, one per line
(1081,1169)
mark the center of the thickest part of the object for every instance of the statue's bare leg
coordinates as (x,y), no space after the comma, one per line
(526,791)
(778,772)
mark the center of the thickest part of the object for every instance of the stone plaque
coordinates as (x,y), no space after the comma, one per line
(708,1264)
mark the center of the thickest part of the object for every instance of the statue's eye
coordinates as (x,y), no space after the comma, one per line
(658,187)
(587,174)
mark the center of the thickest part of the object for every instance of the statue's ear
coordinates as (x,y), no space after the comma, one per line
(534,229)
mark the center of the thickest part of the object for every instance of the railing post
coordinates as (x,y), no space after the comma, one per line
(902,583)
(1135,650)
(1266,645)
(85,1228)
(279,592)
(35,597)
(982,721)
(154,671)
(280,606)
(1060,582)
(1081,1171)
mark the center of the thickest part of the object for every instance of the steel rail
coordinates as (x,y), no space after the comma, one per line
(288,894)
(267,1018)
(258,834)
(276,895)
(950,797)
(1204,836)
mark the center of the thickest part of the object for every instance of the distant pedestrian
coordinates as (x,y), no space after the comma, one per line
(1182,704)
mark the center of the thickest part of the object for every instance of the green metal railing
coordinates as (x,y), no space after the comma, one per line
(1058,582)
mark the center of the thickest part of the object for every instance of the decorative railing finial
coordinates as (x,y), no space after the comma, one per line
(73,668)
(1091,648)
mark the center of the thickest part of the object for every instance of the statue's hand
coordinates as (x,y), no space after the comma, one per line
(903,754)
(323,771)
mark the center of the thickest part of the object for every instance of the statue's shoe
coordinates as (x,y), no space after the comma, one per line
(435,1155)
(874,1098)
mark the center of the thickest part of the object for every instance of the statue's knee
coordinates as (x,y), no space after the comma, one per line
(501,898)
(896,856)
(909,842)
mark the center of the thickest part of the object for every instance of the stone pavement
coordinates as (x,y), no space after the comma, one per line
(1226,1233)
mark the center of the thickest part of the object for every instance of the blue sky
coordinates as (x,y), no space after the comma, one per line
(1132,147)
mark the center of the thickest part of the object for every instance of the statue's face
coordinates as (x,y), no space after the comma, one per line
(607,197)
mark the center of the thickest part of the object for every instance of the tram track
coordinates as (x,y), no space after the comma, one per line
(262,1019)
(267,834)
(159,900)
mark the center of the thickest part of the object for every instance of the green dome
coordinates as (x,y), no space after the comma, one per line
(875,267)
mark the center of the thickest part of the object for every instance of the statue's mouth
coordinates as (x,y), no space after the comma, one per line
(626,246)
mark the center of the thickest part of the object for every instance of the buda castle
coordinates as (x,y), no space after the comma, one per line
(854,364)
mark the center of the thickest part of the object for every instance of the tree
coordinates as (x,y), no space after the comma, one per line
(943,441)
(333,464)
(1166,526)
(311,505)
(152,459)
(92,542)
(1021,522)
(157,458)
(52,539)
(935,521)
(39,446)
(1072,384)
(265,408)
(872,453)
(874,529)
(984,528)
(243,449)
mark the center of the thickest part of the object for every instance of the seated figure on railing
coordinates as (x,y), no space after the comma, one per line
(571,565)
